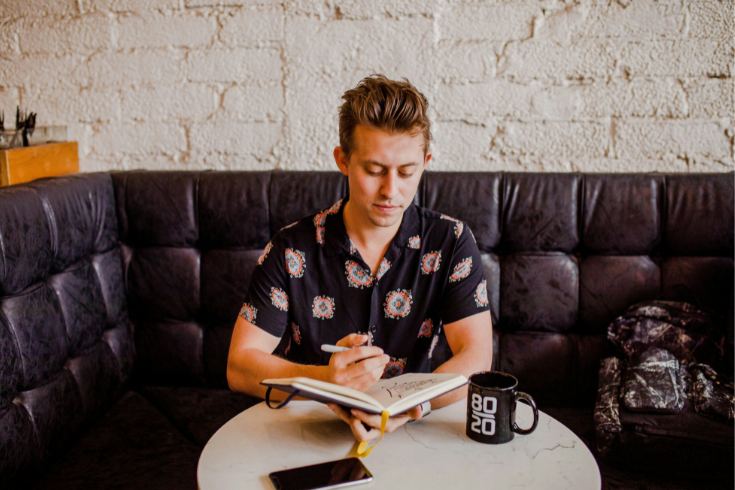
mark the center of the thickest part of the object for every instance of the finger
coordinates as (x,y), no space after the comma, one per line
(396,422)
(375,420)
(353,340)
(356,426)
(415,413)
(358,430)
(353,375)
(365,381)
(367,378)
(358,354)
(367,365)
(360,433)
(361,366)
(370,419)
(340,412)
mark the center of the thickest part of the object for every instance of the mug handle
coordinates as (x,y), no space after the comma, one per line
(520,396)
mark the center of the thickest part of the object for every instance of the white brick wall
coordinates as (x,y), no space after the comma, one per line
(160,30)
(252,27)
(84,106)
(52,35)
(187,102)
(521,85)
(237,65)
(138,138)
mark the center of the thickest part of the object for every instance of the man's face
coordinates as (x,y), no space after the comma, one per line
(384,170)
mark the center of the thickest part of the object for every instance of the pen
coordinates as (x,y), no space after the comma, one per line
(333,348)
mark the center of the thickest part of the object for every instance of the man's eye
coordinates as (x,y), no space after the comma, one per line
(373,173)
(405,176)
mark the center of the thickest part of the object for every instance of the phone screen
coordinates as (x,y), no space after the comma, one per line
(333,474)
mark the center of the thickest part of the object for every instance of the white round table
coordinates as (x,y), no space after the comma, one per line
(434,453)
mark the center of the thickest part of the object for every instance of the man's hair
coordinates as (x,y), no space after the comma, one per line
(380,103)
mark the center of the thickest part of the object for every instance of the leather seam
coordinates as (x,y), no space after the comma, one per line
(581,222)
(125,210)
(197,246)
(51,218)
(196,208)
(181,430)
(270,196)
(501,208)
(25,292)
(78,265)
(5,266)
(664,224)
(268,202)
(4,321)
(33,424)
(103,215)
(581,214)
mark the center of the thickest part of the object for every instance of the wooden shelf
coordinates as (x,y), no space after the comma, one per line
(21,165)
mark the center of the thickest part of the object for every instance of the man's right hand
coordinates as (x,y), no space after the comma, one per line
(358,368)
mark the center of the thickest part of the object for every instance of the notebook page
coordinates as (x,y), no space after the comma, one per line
(403,390)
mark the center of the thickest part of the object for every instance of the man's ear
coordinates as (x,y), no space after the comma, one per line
(426,160)
(341,160)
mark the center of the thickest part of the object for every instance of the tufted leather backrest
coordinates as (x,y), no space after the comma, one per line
(563,254)
(65,343)
(190,243)
(567,253)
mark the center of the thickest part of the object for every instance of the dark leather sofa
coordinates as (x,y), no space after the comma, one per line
(118,293)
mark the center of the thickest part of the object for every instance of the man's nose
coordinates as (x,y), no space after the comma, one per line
(390,185)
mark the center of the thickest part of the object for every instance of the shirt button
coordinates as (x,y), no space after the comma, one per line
(373,328)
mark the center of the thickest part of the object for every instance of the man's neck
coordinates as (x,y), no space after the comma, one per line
(372,241)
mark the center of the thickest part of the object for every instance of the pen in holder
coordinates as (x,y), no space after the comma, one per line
(25,125)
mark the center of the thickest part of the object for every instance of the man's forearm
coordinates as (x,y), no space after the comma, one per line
(245,377)
(466,362)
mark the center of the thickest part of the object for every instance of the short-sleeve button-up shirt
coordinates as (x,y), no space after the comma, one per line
(312,285)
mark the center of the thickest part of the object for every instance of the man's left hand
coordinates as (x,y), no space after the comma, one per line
(354,418)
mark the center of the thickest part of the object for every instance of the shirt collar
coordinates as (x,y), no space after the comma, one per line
(337,241)
(410,227)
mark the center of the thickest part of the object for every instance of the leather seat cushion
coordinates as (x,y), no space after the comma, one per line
(197,412)
(132,446)
(618,475)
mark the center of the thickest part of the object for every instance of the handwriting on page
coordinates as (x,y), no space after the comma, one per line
(398,389)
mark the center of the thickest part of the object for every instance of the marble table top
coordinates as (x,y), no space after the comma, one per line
(432,453)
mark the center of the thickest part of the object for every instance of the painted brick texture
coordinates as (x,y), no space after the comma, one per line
(517,85)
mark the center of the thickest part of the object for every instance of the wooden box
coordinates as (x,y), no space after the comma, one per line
(21,165)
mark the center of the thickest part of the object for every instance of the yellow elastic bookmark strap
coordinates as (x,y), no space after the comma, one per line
(363,449)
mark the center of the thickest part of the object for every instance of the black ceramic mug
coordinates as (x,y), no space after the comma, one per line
(491,408)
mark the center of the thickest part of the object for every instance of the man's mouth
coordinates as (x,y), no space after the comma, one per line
(386,208)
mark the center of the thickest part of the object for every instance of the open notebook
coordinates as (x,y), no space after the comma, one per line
(394,396)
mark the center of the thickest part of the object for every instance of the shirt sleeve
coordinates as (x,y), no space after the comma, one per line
(465,292)
(267,301)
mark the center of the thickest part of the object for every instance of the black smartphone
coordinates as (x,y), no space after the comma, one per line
(333,474)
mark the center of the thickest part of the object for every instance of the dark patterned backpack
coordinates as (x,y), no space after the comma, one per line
(661,398)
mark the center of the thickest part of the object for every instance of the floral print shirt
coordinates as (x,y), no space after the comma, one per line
(312,287)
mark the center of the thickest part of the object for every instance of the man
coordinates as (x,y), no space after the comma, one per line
(373,272)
